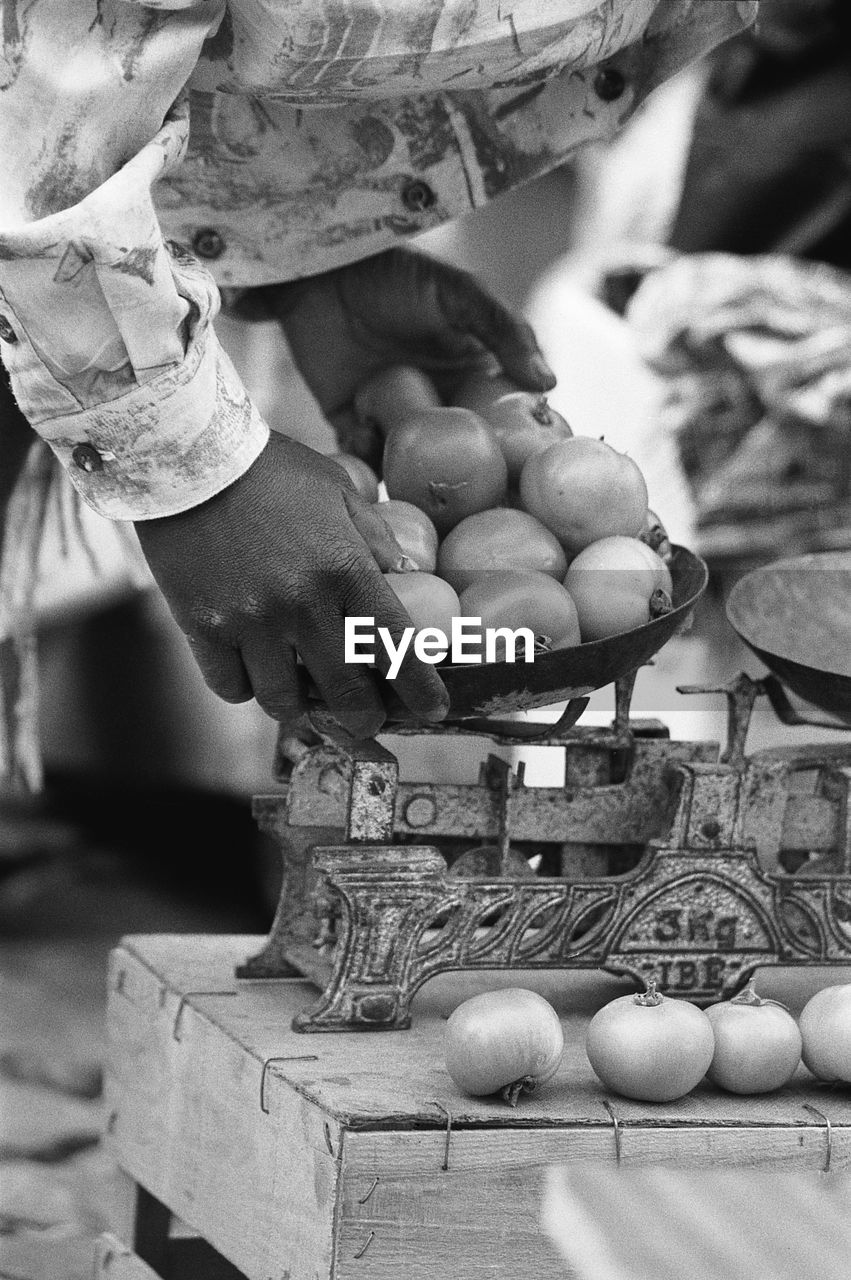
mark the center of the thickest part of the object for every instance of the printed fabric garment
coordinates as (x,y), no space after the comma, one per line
(320,133)
(152,152)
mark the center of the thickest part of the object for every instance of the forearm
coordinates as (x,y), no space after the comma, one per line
(108,337)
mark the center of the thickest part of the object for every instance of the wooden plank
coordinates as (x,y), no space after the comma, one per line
(116,1261)
(403,1213)
(418,1155)
(347,1173)
(440,1226)
(705,1224)
(186,1123)
(362,1080)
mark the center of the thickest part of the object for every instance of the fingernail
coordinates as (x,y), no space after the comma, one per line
(543,372)
(437,713)
(406,565)
(293,749)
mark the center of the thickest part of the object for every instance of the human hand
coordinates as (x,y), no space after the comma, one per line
(397,308)
(270,568)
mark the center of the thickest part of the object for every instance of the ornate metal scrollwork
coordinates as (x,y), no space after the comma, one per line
(707,901)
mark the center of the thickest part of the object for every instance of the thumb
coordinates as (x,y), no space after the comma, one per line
(377,535)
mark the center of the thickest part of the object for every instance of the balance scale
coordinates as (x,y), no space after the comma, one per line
(711,863)
(251,1149)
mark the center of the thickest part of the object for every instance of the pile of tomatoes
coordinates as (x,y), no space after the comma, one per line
(504,515)
(650,1047)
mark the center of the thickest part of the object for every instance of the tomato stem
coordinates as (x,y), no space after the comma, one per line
(541,411)
(656,537)
(439,490)
(660,603)
(749,997)
(511,1092)
(651,997)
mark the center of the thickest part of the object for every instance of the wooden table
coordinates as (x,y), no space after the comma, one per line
(299,1157)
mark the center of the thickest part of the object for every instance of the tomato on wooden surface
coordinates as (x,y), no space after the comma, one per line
(361,473)
(514,599)
(414,532)
(583,490)
(617,583)
(825,1025)
(650,1047)
(505,1042)
(498,539)
(447,462)
(757,1044)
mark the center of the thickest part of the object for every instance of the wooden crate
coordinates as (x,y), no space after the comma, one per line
(307,1157)
(114,1260)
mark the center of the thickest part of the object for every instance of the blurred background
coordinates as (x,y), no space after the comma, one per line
(689,285)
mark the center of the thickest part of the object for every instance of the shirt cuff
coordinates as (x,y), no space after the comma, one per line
(105,331)
(167,445)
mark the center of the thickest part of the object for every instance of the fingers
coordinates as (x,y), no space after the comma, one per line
(295,740)
(377,535)
(349,691)
(222,669)
(368,596)
(470,309)
(363,439)
(416,683)
(276,681)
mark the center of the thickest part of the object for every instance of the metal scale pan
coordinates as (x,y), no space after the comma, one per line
(795,615)
(497,688)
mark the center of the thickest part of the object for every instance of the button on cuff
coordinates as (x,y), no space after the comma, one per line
(87,458)
(417,196)
(609,84)
(207,243)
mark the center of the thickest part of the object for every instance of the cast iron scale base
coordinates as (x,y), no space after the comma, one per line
(656,858)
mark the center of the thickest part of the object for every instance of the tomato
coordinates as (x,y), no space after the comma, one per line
(825,1025)
(390,396)
(650,1047)
(414,532)
(506,1041)
(429,601)
(514,598)
(498,539)
(617,583)
(757,1044)
(447,462)
(584,490)
(523,422)
(364,478)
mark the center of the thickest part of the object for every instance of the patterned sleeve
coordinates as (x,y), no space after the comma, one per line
(105,328)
